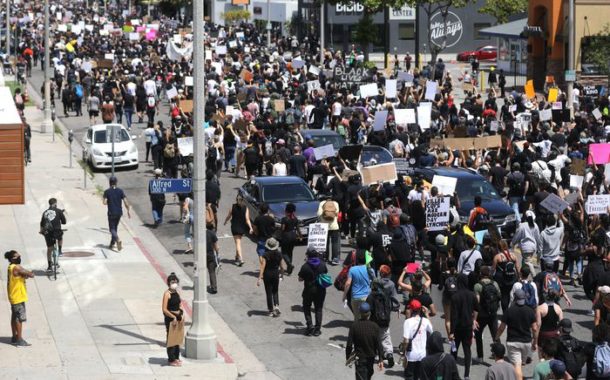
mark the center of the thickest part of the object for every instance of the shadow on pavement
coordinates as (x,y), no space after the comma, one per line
(132,334)
(250,273)
(6,340)
(158,361)
(259,313)
(338,338)
(338,323)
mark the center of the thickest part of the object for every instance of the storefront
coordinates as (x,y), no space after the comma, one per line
(511,44)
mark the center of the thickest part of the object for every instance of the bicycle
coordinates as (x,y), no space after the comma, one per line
(55,258)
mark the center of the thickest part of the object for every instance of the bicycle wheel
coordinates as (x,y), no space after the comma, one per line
(55,258)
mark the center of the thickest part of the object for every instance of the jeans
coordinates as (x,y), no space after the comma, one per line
(188,231)
(574,264)
(413,370)
(492,323)
(229,156)
(464,337)
(173,353)
(148,144)
(527,258)
(157,212)
(318,302)
(333,245)
(356,307)
(287,244)
(129,117)
(514,203)
(272,285)
(364,368)
(113,226)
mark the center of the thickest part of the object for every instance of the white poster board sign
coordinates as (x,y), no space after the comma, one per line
(597,113)
(172,93)
(390,88)
(554,204)
(185,146)
(546,114)
(424,115)
(431,87)
(369,90)
(221,49)
(597,204)
(576,181)
(380,119)
(313,85)
(437,213)
(445,185)
(317,236)
(325,151)
(188,81)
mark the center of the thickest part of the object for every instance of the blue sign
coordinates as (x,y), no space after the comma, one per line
(166,185)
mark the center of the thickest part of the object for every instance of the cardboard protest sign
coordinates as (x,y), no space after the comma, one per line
(467,87)
(597,204)
(380,119)
(554,204)
(599,154)
(175,335)
(390,88)
(529,89)
(553,92)
(577,166)
(279,105)
(431,87)
(322,152)
(350,152)
(576,181)
(445,185)
(369,90)
(317,236)
(376,173)
(185,145)
(494,141)
(186,106)
(104,64)
(437,213)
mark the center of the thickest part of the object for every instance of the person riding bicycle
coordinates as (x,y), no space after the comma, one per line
(50,227)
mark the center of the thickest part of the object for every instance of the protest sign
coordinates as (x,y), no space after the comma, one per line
(445,185)
(571,198)
(323,152)
(172,93)
(577,166)
(188,81)
(279,105)
(597,113)
(546,114)
(298,63)
(431,87)
(554,204)
(369,90)
(375,173)
(403,166)
(134,36)
(494,125)
(557,106)
(314,70)
(246,75)
(390,88)
(437,213)
(233,44)
(221,49)
(185,146)
(313,85)
(597,204)
(467,87)
(599,154)
(348,76)
(317,236)
(62,28)
(553,92)
(407,77)
(576,181)
(175,334)
(380,119)
(400,117)
(186,106)
(424,115)
(529,89)
(607,171)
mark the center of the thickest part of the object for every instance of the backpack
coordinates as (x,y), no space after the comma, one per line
(47,226)
(169,151)
(324,280)
(268,148)
(530,294)
(341,278)
(601,360)
(571,354)
(212,154)
(329,211)
(514,185)
(79,91)
(481,219)
(381,304)
(451,285)
(490,298)
(289,117)
(410,235)
(552,282)
(509,271)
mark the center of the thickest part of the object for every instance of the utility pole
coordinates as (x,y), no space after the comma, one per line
(416,36)
(8,28)
(200,339)
(322,31)
(269,25)
(47,122)
(571,53)
(386,37)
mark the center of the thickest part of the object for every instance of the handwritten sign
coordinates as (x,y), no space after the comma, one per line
(185,146)
(554,204)
(378,173)
(323,152)
(390,88)
(437,213)
(576,181)
(317,236)
(313,85)
(597,204)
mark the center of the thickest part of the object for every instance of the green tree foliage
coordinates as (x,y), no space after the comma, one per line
(502,9)
(596,50)
(236,15)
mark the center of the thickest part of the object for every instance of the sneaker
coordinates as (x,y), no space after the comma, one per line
(49,269)
(119,245)
(175,363)
(22,343)
(309,331)
(272,314)
(289,269)
(240,263)
(335,262)
(390,358)
(277,311)
(316,332)
(111,247)
(13,339)
(477,360)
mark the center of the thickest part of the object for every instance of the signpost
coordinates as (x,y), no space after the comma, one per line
(111,133)
(169,185)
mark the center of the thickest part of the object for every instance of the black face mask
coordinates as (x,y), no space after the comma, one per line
(16,261)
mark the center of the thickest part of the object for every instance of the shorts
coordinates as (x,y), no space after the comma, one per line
(260,248)
(518,352)
(52,237)
(18,312)
(94,113)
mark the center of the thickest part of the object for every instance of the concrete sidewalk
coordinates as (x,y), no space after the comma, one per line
(102,318)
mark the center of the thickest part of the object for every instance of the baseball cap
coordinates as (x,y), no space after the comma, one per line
(281,142)
(566,325)
(557,367)
(364,307)
(158,171)
(530,213)
(414,305)
(384,270)
(520,297)
(604,289)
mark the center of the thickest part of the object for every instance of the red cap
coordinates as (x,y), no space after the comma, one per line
(414,305)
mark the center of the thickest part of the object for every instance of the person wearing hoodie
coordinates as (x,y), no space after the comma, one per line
(551,238)
(384,290)
(464,312)
(527,238)
(437,364)
(312,292)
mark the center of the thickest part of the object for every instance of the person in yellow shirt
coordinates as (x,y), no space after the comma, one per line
(17,295)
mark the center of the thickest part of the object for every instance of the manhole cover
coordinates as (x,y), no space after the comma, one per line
(77,254)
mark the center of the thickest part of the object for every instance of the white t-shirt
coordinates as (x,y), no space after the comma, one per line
(575,95)
(464,266)
(150,87)
(418,348)
(337,109)
(280,169)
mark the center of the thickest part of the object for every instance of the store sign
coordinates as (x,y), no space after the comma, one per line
(445,34)
(404,13)
(351,8)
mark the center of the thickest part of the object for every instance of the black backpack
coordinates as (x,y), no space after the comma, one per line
(451,285)
(381,304)
(490,298)
(570,351)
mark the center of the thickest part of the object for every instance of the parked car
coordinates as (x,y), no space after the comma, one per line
(97,147)
(483,53)
(470,184)
(277,192)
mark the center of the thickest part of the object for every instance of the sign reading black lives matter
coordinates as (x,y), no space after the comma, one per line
(316,238)
(349,76)
(437,213)
(451,28)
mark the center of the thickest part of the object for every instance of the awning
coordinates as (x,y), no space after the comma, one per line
(513,30)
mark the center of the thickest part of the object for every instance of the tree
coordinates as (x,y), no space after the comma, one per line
(502,9)
(596,50)
(236,15)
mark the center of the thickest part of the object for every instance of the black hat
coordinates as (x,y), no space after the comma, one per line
(566,325)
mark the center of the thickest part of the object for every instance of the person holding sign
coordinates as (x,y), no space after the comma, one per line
(173,316)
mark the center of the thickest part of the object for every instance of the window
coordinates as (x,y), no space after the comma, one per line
(257,10)
(406,31)
(477,27)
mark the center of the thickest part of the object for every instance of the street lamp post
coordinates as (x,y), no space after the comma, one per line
(571,53)
(322,25)
(200,339)
(269,25)
(47,122)
(8,28)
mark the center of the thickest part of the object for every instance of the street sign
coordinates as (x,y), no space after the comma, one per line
(570,75)
(168,185)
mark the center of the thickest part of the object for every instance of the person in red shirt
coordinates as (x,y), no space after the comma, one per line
(489,112)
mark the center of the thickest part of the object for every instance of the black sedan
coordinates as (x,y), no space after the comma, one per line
(277,192)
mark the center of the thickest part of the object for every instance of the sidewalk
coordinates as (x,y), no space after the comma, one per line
(102,317)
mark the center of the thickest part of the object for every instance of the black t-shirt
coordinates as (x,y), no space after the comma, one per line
(424,299)
(516,184)
(497,174)
(519,321)
(308,273)
(212,192)
(297,165)
(273,260)
(265,226)
(251,155)
(114,197)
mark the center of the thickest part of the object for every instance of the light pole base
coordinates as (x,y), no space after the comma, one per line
(200,347)
(47,124)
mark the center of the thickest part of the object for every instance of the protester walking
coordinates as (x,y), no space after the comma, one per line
(270,272)
(115,199)
(313,293)
(363,344)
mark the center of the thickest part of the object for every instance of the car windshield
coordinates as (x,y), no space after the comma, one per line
(467,188)
(101,137)
(287,192)
(336,141)
(375,157)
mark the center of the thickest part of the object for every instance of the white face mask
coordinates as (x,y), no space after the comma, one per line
(173,286)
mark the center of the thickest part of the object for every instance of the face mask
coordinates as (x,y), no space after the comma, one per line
(173,286)
(16,261)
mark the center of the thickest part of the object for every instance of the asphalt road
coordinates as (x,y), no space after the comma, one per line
(278,342)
